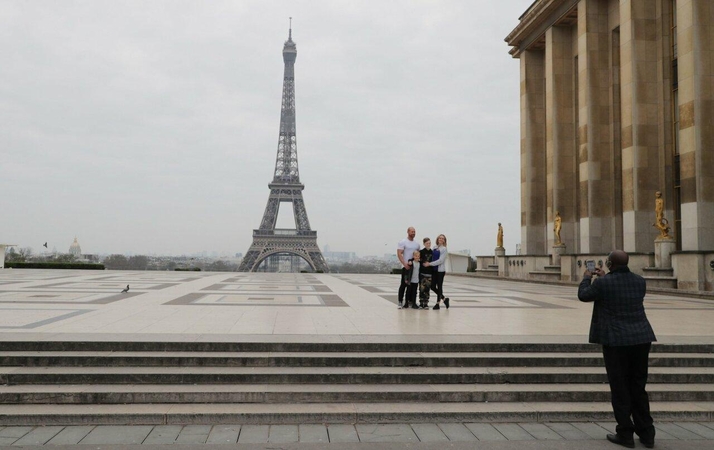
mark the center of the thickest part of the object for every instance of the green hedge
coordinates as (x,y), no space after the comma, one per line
(187,269)
(54,265)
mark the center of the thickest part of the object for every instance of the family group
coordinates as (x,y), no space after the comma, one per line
(423,270)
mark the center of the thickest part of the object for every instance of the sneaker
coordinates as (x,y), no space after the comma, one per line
(436,306)
(446,302)
(414,306)
(400,306)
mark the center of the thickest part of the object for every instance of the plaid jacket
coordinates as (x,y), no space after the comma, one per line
(618,313)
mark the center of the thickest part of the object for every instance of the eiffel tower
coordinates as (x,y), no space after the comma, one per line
(269,242)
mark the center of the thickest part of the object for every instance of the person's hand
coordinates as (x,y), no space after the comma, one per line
(405,265)
(426,264)
(599,272)
(587,274)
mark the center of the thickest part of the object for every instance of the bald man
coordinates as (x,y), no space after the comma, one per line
(405,249)
(620,325)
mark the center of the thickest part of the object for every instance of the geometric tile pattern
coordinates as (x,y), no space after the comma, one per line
(33,318)
(258,299)
(51,302)
(460,295)
(63,297)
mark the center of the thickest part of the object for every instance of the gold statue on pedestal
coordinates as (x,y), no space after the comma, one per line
(557,224)
(499,236)
(661,223)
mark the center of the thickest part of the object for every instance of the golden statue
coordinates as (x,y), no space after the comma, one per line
(661,223)
(557,224)
(499,236)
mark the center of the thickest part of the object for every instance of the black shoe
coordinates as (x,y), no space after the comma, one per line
(436,306)
(446,302)
(414,306)
(620,440)
(646,443)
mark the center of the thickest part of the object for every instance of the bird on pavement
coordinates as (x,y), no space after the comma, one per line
(125,290)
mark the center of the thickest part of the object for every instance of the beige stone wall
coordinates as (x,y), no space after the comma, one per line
(560,134)
(695,34)
(641,101)
(597,139)
(533,154)
(596,174)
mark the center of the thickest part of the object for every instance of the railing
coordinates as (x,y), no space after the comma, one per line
(284,232)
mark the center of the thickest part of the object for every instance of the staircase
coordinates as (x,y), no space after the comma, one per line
(660,278)
(549,273)
(69,383)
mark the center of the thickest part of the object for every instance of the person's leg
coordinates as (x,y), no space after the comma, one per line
(639,360)
(402,286)
(412,295)
(424,292)
(435,285)
(437,279)
(617,366)
(441,288)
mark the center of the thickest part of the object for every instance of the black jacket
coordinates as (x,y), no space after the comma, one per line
(618,313)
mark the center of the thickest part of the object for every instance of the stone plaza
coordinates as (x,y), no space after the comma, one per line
(200,357)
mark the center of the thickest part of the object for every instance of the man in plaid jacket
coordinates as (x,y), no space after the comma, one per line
(620,325)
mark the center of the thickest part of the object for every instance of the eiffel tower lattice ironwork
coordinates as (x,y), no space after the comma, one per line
(301,241)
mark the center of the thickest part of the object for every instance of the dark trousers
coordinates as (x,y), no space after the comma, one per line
(424,288)
(403,285)
(412,289)
(437,280)
(627,374)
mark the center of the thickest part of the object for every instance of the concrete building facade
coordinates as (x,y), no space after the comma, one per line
(617,103)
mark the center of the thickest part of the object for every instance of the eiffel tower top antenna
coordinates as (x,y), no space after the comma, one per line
(290,31)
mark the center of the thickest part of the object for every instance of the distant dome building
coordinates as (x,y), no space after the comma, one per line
(74,249)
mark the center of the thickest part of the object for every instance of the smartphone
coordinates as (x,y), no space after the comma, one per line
(590,265)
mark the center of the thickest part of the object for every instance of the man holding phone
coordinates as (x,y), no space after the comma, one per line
(620,325)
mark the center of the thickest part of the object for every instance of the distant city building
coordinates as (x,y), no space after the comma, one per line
(339,256)
(75,249)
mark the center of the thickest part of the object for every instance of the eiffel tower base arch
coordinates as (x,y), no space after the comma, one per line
(265,246)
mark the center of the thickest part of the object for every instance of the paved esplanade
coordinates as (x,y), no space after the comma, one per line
(46,305)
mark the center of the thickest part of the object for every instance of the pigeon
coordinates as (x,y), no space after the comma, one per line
(44,245)
(125,290)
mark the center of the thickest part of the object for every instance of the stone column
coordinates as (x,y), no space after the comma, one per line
(695,22)
(2,254)
(596,174)
(641,159)
(560,139)
(533,209)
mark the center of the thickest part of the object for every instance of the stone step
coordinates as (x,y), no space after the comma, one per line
(311,347)
(555,269)
(661,282)
(337,393)
(283,413)
(332,359)
(337,375)
(544,275)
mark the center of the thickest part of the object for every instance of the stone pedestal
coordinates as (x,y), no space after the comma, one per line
(500,251)
(2,254)
(663,252)
(558,251)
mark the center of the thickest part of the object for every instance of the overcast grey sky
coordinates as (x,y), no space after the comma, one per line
(152,126)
